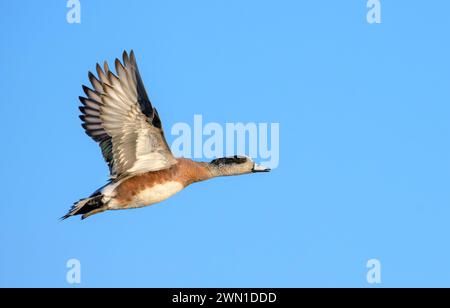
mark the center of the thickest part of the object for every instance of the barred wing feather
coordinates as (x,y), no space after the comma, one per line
(118,114)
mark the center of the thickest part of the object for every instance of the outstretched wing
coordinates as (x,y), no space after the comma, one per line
(118,114)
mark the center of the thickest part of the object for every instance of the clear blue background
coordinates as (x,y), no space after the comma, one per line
(364,152)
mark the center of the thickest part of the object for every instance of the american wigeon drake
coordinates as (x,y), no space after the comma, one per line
(118,114)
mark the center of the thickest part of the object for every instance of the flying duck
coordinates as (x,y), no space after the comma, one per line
(119,116)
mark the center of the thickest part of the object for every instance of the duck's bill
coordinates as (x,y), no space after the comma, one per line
(260,168)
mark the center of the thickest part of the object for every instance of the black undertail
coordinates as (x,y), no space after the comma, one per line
(85,206)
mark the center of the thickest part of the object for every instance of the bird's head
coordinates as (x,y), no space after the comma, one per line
(235,165)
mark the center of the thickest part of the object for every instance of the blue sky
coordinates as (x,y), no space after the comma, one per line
(364,143)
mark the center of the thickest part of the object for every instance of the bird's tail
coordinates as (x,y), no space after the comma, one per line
(86,207)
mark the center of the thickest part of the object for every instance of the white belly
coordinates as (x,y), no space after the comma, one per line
(153,195)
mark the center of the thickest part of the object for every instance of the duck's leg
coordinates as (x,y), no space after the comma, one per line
(93,212)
